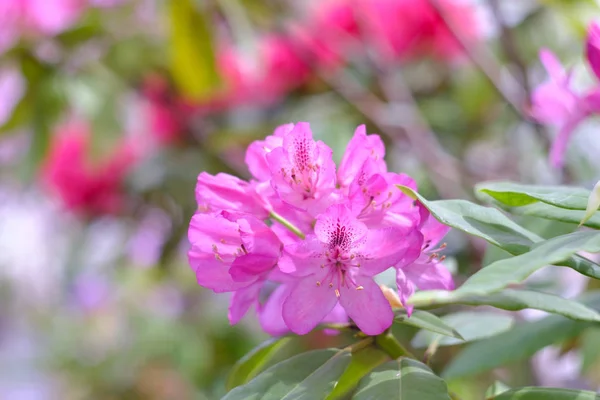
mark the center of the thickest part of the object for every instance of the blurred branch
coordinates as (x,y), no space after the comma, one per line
(445,171)
(505,83)
(509,46)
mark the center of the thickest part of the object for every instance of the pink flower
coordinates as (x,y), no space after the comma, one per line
(81,185)
(256,154)
(406,29)
(227,192)
(370,189)
(232,252)
(337,263)
(361,149)
(271,317)
(36,18)
(302,170)
(263,75)
(427,272)
(331,34)
(555,103)
(593,48)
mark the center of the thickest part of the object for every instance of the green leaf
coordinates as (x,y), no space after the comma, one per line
(472,325)
(508,299)
(363,361)
(306,376)
(540,393)
(593,204)
(485,222)
(493,226)
(519,343)
(253,362)
(192,54)
(404,379)
(496,388)
(514,270)
(516,194)
(546,211)
(424,320)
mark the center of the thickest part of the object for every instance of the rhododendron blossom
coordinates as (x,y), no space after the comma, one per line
(556,103)
(83,185)
(327,235)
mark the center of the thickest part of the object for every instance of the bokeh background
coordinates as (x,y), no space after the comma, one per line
(109,109)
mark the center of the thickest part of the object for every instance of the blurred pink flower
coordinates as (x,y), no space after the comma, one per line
(271,70)
(84,186)
(406,29)
(36,18)
(593,47)
(556,103)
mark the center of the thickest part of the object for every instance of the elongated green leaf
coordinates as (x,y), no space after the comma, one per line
(496,388)
(192,54)
(540,393)
(508,299)
(403,379)
(252,363)
(494,227)
(485,222)
(513,270)
(546,211)
(516,194)
(424,320)
(306,376)
(363,361)
(519,343)
(472,325)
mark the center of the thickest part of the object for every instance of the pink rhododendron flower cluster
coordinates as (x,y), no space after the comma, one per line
(555,102)
(310,237)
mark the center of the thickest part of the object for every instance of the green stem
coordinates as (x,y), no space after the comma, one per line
(388,343)
(287,224)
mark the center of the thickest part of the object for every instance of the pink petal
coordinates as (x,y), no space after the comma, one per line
(368,308)
(241,302)
(257,151)
(552,65)
(593,47)
(270,314)
(308,304)
(248,266)
(405,289)
(360,148)
(227,192)
(212,273)
(303,257)
(208,232)
(257,237)
(387,247)
(559,145)
(429,276)
(433,231)
(338,224)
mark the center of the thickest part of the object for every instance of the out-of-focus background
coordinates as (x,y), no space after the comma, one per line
(109,109)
